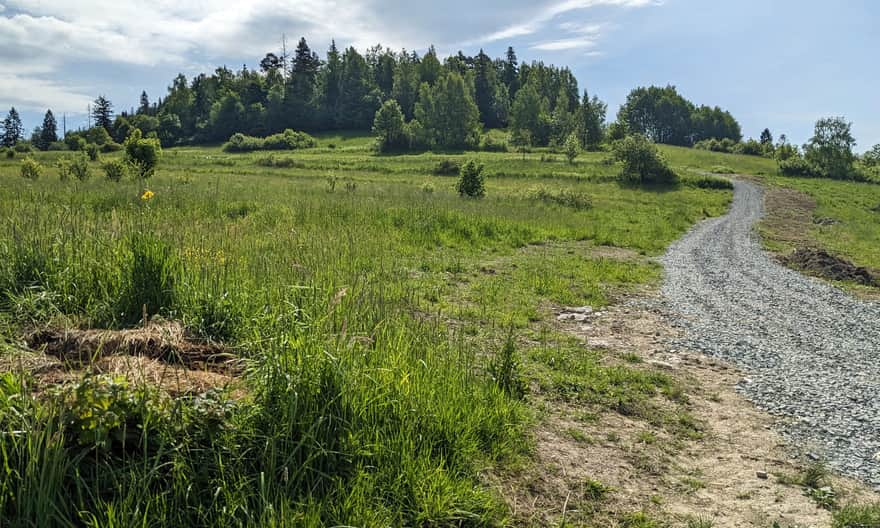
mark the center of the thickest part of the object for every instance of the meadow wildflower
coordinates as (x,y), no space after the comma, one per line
(148,195)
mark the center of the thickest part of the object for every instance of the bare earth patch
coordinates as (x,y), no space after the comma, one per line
(729,475)
(160,354)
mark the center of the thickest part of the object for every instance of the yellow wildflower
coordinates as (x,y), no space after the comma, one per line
(147,195)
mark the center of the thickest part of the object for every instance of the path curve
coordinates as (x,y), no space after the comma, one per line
(811,352)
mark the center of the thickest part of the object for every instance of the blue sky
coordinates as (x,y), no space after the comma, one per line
(774,63)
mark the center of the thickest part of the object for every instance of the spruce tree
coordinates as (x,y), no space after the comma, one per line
(144,107)
(102,113)
(766,137)
(510,73)
(12,129)
(49,131)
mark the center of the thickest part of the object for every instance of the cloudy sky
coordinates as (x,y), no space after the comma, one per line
(774,63)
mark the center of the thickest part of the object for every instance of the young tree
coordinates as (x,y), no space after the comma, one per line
(48,132)
(102,113)
(591,122)
(142,154)
(510,72)
(572,148)
(872,157)
(766,137)
(642,162)
(13,131)
(830,150)
(144,106)
(529,112)
(448,113)
(389,127)
(470,183)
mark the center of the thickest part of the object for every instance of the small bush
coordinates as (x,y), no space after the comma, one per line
(10,153)
(57,146)
(447,168)
(111,146)
(142,154)
(287,140)
(642,162)
(79,166)
(568,198)
(115,169)
(488,144)
(722,169)
(709,182)
(471,181)
(23,148)
(63,166)
(279,162)
(796,166)
(572,148)
(92,150)
(31,168)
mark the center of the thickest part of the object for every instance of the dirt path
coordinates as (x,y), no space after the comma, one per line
(811,352)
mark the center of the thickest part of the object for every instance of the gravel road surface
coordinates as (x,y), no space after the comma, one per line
(811,353)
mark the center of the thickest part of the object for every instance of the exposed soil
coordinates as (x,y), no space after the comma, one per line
(166,342)
(730,476)
(788,216)
(827,266)
(161,355)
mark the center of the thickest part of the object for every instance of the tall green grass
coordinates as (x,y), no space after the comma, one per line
(364,402)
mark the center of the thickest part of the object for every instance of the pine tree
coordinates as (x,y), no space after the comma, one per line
(144,107)
(102,113)
(12,129)
(484,89)
(49,131)
(766,137)
(510,73)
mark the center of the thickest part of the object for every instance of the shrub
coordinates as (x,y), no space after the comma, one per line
(142,153)
(57,146)
(111,146)
(31,168)
(447,168)
(92,150)
(115,169)
(471,181)
(63,166)
(389,128)
(287,140)
(279,162)
(796,166)
(749,148)
(568,198)
(23,148)
(642,162)
(572,148)
(75,142)
(709,182)
(489,144)
(10,153)
(79,166)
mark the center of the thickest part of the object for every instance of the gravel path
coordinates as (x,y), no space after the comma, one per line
(811,352)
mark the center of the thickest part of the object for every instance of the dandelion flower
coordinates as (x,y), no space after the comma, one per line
(147,195)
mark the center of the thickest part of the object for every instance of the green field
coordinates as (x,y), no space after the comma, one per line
(370,305)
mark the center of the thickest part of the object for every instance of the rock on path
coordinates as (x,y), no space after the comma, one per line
(811,352)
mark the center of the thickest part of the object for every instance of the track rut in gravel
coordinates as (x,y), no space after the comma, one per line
(810,351)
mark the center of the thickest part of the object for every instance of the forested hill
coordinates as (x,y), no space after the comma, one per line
(346,88)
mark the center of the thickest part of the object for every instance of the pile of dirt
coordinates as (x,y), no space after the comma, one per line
(827,266)
(166,342)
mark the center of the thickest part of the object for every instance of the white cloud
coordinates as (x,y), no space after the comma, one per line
(33,93)
(540,19)
(565,44)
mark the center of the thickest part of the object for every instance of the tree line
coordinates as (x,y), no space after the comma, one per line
(436,103)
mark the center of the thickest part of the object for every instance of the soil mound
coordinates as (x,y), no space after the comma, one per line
(828,266)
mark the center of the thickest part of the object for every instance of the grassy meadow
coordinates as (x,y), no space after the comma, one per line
(390,331)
